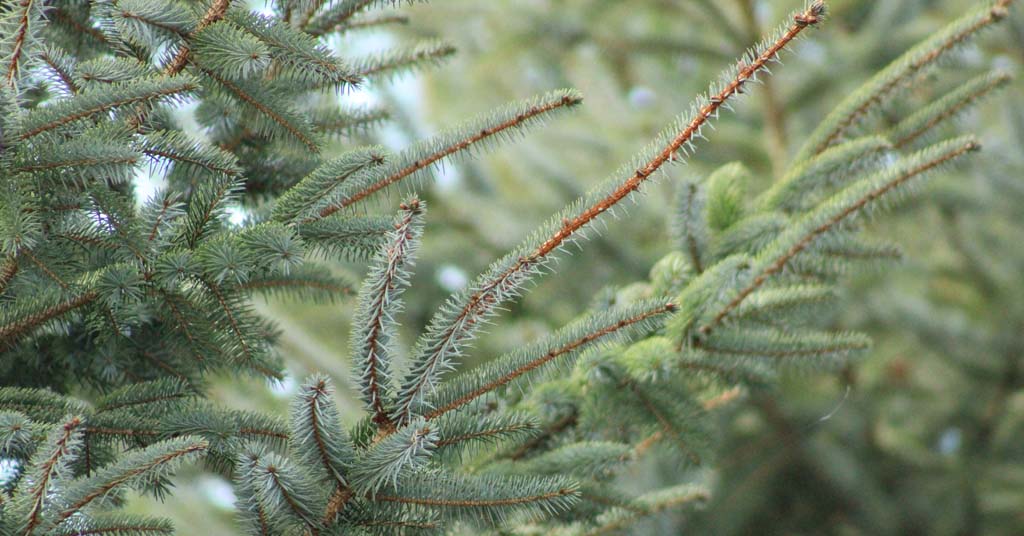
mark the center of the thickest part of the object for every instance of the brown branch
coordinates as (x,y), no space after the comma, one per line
(7,272)
(20,36)
(64,76)
(469,503)
(395,256)
(10,332)
(74,163)
(550,356)
(128,475)
(484,298)
(433,158)
(182,158)
(320,390)
(38,491)
(806,241)
(103,108)
(337,503)
(491,432)
(262,108)
(216,12)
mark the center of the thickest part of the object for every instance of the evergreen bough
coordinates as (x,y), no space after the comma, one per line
(140,303)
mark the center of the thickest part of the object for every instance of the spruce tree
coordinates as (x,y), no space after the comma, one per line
(131,306)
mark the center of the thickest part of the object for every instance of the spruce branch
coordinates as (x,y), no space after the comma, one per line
(317,186)
(948,106)
(462,315)
(486,498)
(380,302)
(564,344)
(689,228)
(280,493)
(141,468)
(335,15)
(469,136)
(827,169)
(87,104)
(62,66)
(371,22)
(303,283)
(8,270)
(402,60)
(842,206)
(400,454)
(216,12)
(16,327)
(317,434)
(299,57)
(897,74)
(17,21)
(146,396)
(50,462)
(457,432)
(648,505)
(254,96)
(116,525)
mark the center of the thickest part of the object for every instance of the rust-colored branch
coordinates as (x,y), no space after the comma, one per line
(216,12)
(38,492)
(470,503)
(128,475)
(444,152)
(484,298)
(103,108)
(262,108)
(20,36)
(374,348)
(14,330)
(548,357)
(7,272)
(320,391)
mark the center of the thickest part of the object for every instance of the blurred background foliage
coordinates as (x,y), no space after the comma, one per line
(921,437)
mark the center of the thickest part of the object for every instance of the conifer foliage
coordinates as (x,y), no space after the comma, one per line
(140,301)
